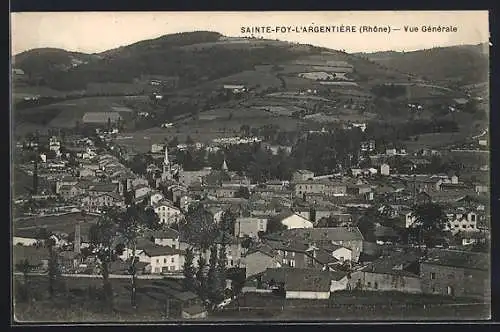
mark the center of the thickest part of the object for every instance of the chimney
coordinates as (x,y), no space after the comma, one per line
(77,241)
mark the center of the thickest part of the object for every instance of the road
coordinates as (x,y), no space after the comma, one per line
(484,132)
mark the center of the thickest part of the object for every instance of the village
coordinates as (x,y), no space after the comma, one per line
(373,229)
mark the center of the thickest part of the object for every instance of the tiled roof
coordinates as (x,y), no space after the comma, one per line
(167,233)
(456,258)
(296,279)
(323,234)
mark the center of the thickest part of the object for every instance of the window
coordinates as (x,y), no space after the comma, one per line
(292,263)
(172,260)
(341,258)
(473,217)
(172,268)
(369,284)
(173,246)
(164,260)
(157,270)
(433,276)
(157,261)
(293,254)
(285,261)
(231,262)
(464,226)
(375,285)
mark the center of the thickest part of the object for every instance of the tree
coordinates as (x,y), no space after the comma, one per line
(245,130)
(274,225)
(25,268)
(189,271)
(198,227)
(54,271)
(132,224)
(430,221)
(213,281)
(103,245)
(201,277)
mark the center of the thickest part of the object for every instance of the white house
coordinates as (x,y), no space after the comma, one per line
(155,197)
(409,219)
(163,259)
(385,169)
(339,281)
(462,221)
(342,254)
(296,221)
(167,212)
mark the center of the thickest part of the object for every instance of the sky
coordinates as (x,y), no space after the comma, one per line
(94,32)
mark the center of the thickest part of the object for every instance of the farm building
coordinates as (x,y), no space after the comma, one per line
(456,273)
(101,117)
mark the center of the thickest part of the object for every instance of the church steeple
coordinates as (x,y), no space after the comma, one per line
(224,165)
(167,170)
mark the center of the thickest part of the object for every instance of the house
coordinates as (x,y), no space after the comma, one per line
(302,175)
(65,181)
(397,272)
(157,148)
(461,219)
(235,88)
(257,260)
(155,197)
(187,178)
(456,273)
(348,237)
(141,191)
(94,203)
(385,169)
(250,226)
(194,312)
(167,212)
(99,188)
(327,187)
(160,259)
(166,237)
(304,283)
(481,188)
(292,220)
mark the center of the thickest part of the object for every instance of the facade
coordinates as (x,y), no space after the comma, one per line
(260,260)
(462,221)
(302,175)
(456,273)
(385,169)
(249,226)
(167,212)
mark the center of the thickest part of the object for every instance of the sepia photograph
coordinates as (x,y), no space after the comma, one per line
(202,167)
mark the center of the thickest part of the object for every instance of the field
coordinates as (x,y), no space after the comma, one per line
(75,305)
(434,140)
(356,306)
(249,78)
(63,223)
(64,114)
(202,130)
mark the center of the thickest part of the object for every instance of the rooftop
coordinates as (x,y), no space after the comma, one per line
(456,258)
(321,234)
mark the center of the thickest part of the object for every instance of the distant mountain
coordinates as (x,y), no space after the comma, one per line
(467,64)
(170,55)
(41,62)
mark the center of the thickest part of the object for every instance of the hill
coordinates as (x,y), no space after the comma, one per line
(455,65)
(40,62)
(165,56)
